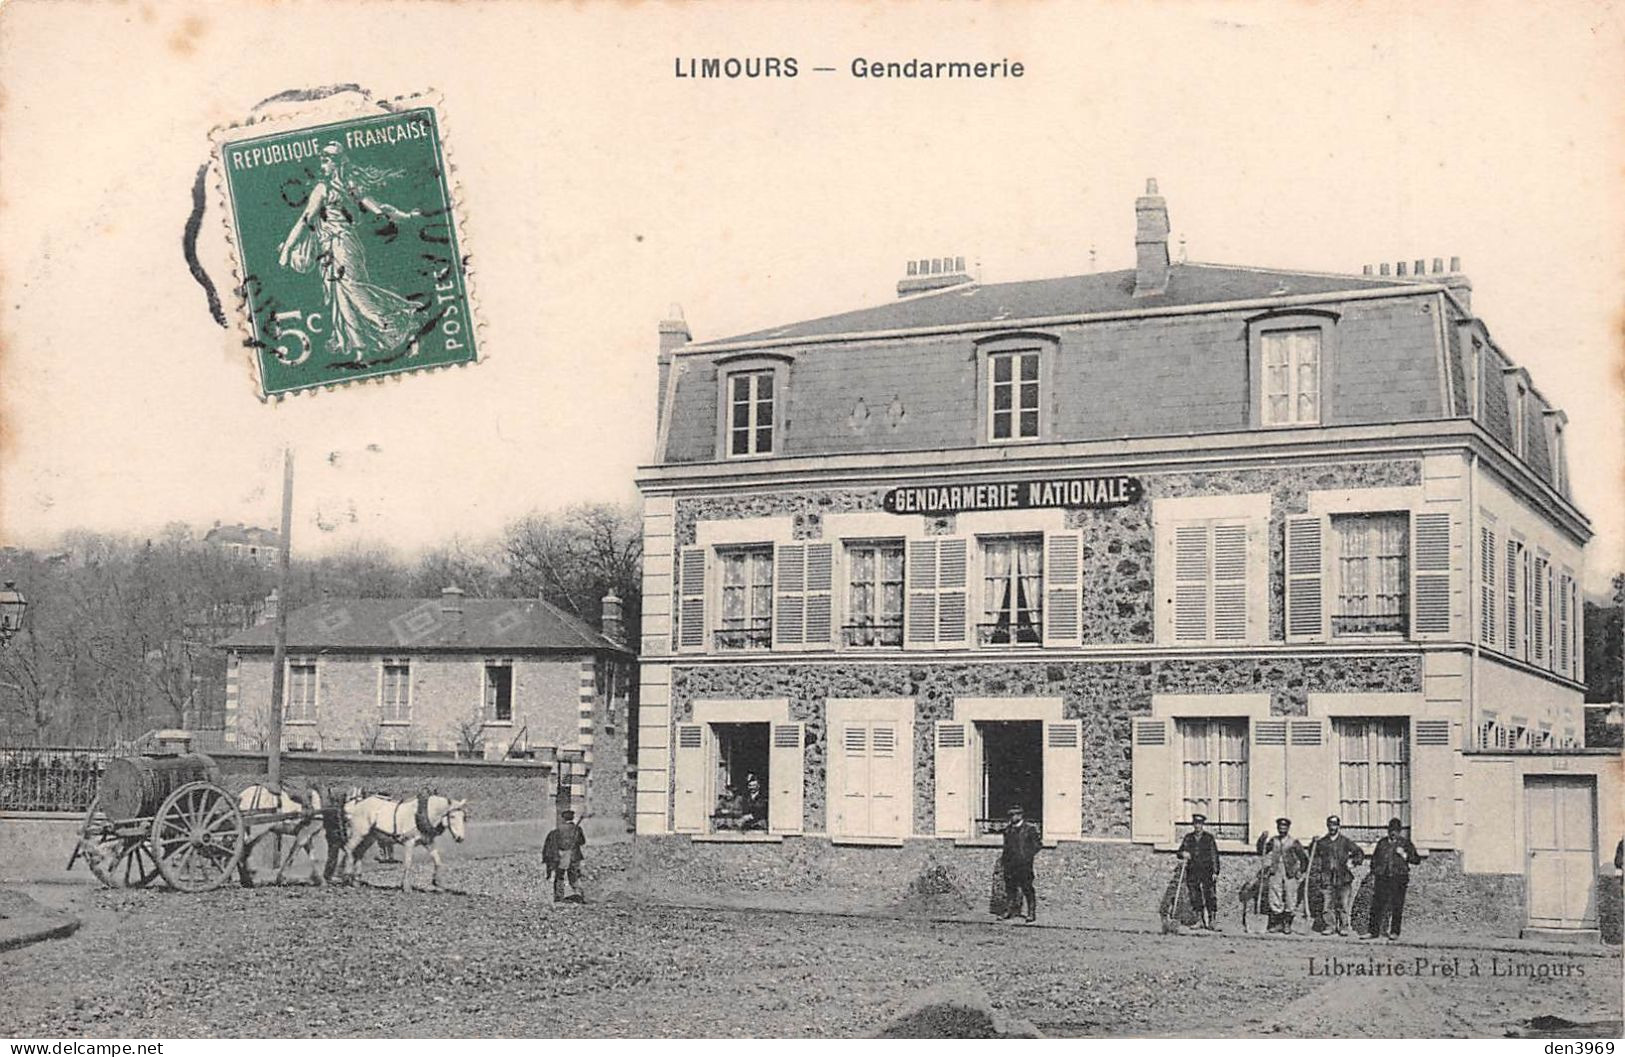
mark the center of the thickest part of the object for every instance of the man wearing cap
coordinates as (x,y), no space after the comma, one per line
(1021,844)
(1391,862)
(1284,863)
(562,853)
(1332,859)
(1201,855)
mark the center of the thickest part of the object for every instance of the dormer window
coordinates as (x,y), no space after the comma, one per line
(751,405)
(1014,381)
(1287,351)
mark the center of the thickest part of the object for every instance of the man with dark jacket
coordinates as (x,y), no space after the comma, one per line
(1283,862)
(1333,858)
(1201,855)
(562,853)
(1391,863)
(1021,844)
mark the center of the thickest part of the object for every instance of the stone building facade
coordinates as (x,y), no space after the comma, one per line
(1121,548)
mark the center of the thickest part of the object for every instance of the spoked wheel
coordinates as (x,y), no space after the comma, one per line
(118,858)
(197,837)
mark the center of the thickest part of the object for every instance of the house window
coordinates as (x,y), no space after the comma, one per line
(1373,774)
(750,400)
(1215,774)
(499,691)
(397,703)
(1012,591)
(747,599)
(300,692)
(1291,377)
(1013,397)
(874,598)
(1210,581)
(1372,560)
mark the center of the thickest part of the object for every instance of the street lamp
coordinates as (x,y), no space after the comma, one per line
(12,607)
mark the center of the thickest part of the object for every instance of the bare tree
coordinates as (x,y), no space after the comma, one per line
(574,557)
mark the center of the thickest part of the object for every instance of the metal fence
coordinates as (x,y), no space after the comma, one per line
(49,779)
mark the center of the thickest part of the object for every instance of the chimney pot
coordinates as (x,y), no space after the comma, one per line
(913,268)
(1399,269)
(1455,264)
(1365,269)
(1384,267)
(959,265)
(1421,268)
(1438,265)
(451,599)
(1151,185)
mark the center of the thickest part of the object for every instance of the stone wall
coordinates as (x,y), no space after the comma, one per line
(1104,695)
(504,791)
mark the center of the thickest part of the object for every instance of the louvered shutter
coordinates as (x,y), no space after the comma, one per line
(1537,611)
(920,617)
(1433,765)
(1305,579)
(1230,582)
(1153,809)
(1063,780)
(789,594)
(952,779)
(849,797)
(1430,576)
(891,782)
(691,599)
(953,569)
(1309,771)
(784,790)
(1514,550)
(688,779)
(1063,595)
(1266,777)
(820,628)
(1487,604)
(1191,582)
(1563,640)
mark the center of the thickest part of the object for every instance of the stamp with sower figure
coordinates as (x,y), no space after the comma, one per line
(347,246)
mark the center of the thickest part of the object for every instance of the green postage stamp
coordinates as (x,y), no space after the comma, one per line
(347,247)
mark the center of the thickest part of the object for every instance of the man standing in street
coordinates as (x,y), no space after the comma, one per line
(1333,858)
(1201,855)
(1391,863)
(1284,863)
(562,853)
(1021,844)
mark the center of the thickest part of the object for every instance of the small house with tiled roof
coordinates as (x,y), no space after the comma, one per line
(497,678)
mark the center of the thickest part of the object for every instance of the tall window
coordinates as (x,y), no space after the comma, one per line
(397,690)
(750,413)
(747,598)
(1215,774)
(874,601)
(1373,773)
(1210,581)
(1373,573)
(499,691)
(1291,377)
(1012,591)
(300,694)
(1013,395)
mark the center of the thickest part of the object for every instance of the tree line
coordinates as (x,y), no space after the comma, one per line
(119,637)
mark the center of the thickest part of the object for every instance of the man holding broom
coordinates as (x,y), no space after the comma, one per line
(1201,857)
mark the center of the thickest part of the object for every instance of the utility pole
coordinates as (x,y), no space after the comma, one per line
(279,655)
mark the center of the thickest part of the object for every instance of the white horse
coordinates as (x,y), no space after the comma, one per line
(375,817)
(302,830)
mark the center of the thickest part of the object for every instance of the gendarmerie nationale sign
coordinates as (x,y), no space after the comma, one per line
(1014,495)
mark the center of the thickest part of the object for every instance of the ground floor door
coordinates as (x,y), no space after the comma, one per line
(1012,772)
(1560,851)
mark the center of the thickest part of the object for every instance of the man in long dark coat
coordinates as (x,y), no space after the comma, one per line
(1021,844)
(1201,855)
(562,853)
(1391,862)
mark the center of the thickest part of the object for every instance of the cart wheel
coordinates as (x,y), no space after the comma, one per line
(197,837)
(117,860)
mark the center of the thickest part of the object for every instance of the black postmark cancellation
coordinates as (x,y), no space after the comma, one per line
(767,67)
(1454,967)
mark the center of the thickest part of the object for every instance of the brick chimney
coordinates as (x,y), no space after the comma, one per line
(612,621)
(673,335)
(1150,242)
(451,600)
(932,273)
(268,610)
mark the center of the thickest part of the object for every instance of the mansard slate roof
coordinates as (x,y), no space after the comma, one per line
(1072,295)
(415,624)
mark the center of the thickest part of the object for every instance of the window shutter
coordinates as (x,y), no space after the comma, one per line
(1191,583)
(1514,549)
(891,781)
(1433,766)
(1266,775)
(1563,640)
(1309,773)
(1487,602)
(1153,809)
(1537,611)
(820,627)
(952,591)
(849,786)
(1305,575)
(1063,594)
(691,598)
(1230,582)
(784,764)
(921,575)
(789,594)
(1063,780)
(688,779)
(953,779)
(1430,576)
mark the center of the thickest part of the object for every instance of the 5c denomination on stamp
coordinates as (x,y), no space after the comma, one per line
(347,246)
